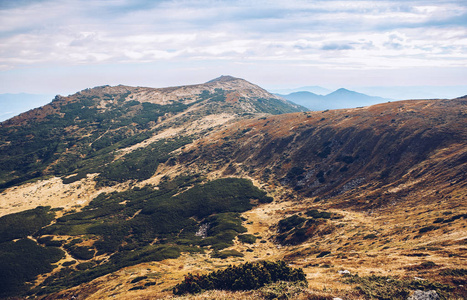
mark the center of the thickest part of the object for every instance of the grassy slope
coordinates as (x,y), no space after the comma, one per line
(412,169)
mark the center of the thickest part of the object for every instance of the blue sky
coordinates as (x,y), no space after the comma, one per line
(63,46)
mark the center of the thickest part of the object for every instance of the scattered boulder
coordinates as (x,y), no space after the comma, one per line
(424,295)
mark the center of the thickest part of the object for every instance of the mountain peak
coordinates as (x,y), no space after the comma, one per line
(223,78)
(342,90)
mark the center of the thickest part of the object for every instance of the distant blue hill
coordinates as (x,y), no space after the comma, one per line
(14,104)
(341,98)
(313,89)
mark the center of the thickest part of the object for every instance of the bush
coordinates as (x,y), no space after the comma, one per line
(22,261)
(85,265)
(48,241)
(388,288)
(454,272)
(25,223)
(83,253)
(428,228)
(142,163)
(316,214)
(295,230)
(247,238)
(290,222)
(69,263)
(369,236)
(139,278)
(324,253)
(226,253)
(247,276)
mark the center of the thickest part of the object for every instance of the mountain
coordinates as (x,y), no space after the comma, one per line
(14,104)
(416,92)
(313,89)
(59,137)
(131,192)
(341,98)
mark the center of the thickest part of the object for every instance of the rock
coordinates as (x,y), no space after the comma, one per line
(422,295)
(343,272)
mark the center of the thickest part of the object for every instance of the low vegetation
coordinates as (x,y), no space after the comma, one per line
(21,261)
(248,276)
(125,225)
(297,229)
(389,288)
(25,223)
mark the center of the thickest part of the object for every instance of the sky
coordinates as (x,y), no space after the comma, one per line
(63,46)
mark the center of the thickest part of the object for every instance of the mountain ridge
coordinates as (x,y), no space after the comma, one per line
(133,188)
(235,89)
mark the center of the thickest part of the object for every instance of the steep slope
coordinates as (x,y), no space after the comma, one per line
(330,153)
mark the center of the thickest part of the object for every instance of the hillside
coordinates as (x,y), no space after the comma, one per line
(126,190)
(81,132)
(339,99)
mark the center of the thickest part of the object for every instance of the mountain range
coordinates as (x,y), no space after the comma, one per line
(341,98)
(135,192)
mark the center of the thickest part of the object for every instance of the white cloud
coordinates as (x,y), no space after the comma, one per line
(325,34)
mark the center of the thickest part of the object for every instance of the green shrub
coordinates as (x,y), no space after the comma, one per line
(295,230)
(226,253)
(247,238)
(290,222)
(454,272)
(388,288)
(117,261)
(322,254)
(138,279)
(25,223)
(74,178)
(428,228)
(69,263)
(22,261)
(142,163)
(246,276)
(316,214)
(48,241)
(369,236)
(83,253)
(85,265)
(171,214)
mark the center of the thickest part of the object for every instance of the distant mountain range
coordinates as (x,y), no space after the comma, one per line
(341,98)
(389,92)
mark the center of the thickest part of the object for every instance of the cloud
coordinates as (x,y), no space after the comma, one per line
(323,34)
(337,46)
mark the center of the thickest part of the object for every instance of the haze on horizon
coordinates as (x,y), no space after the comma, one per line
(60,47)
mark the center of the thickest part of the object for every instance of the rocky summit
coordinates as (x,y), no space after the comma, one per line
(222,190)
